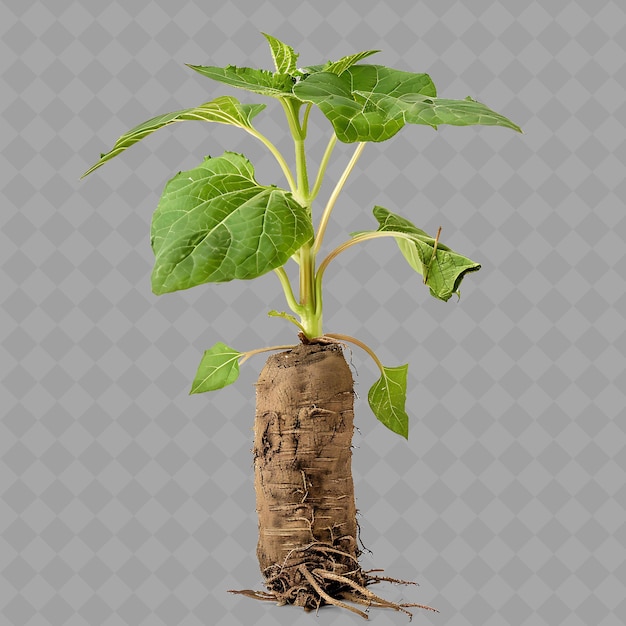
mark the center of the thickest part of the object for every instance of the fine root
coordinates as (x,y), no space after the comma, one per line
(328,598)
(319,574)
(396,581)
(257,595)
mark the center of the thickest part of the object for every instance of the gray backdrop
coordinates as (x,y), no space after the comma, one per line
(126,501)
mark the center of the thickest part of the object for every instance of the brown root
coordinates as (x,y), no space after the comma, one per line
(320,574)
(396,581)
(308,548)
(325,596)
(257,595)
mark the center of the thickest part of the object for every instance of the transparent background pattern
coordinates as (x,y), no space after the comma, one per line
(127,502)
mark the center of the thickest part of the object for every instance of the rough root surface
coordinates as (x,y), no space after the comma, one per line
(307,549)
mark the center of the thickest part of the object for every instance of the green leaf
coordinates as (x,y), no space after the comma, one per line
(340,66)
(286,316)
(285,59)
(444,271)
(276,85)
(215,223)
(218,368)
(373,102)
(223,110)
(387,399)
(419,109)
(352,116)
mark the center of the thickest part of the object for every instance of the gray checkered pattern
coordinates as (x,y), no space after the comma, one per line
(127,502)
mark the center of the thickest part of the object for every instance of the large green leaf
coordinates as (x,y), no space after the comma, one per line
(387,399)
(223,110)
(285,59)
(443,271)
(373,102)
(218,368)
(274,84)
(352,117)
(419,109)
(215,223)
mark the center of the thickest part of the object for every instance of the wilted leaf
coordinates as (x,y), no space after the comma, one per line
(443,271)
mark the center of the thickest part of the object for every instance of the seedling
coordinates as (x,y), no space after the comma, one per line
(216,223)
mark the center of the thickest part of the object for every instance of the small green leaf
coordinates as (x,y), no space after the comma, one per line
(444,270)
(276,85)
(286,316)
(340,66)
(387,399)
(285,59)
(218,368)
(223,110)
(215,223)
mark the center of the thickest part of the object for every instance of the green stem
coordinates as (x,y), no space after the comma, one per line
(301,172)
(286,285)
(247,355)
(310,307)
(298,133)
(289,318)
(305,117)
(333,197)
(307,271)
(360,344)
(307,310)
(352,242)
(323,165)
(277,155)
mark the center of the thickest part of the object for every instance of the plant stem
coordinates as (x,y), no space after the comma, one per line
(323,164)
(302,194)
(305,117)
(306,294)
(288,317)
(360,344)
(247,355)
(310,316)
(352,242)
(277,155)
(286,285)
(298,133)
(333,197)
(310,305)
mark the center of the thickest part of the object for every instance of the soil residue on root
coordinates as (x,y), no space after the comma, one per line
(304,422)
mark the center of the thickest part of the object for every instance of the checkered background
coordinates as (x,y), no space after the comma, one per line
(127,502)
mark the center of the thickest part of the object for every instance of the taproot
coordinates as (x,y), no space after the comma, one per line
(308,547)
